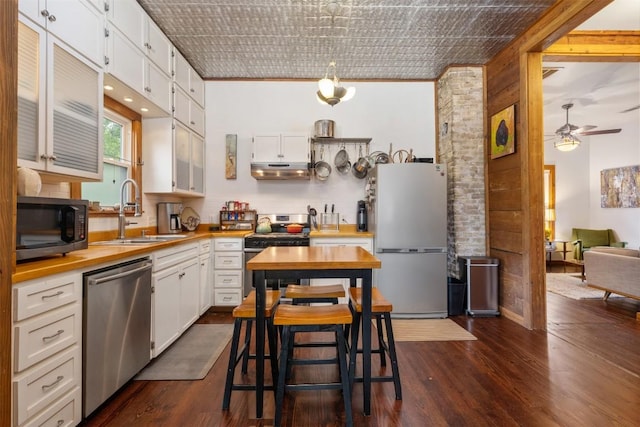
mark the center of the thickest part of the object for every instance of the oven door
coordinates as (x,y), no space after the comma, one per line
(249,285)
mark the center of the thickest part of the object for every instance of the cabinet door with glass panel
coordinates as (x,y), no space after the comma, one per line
(59,107)
(189,160)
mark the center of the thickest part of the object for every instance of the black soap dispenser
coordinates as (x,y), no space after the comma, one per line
(361,217)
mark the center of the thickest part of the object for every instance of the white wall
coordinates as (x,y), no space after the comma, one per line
(398,113)
(578,183)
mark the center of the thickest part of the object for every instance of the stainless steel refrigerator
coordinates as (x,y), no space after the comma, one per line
(408,214)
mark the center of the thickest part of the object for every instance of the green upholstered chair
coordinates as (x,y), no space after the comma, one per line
(584,238)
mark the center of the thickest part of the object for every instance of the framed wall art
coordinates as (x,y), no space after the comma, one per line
(620,187)
(230,156)
(503,132)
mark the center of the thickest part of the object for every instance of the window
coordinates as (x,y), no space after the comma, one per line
(117,161)
(122,145)
(549,202)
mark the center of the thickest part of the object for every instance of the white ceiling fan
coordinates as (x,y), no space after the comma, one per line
(567,135)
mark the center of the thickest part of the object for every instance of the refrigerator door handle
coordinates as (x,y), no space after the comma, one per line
(411,250)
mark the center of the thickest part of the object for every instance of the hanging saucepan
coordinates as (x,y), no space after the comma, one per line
(341,161)
(322,168)
(361,167)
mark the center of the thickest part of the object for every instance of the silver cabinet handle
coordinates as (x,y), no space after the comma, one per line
(181,275)
(44,12)
(54,336)
(147,89)
(46,387)
(52,18)
(57,294)
(226,299)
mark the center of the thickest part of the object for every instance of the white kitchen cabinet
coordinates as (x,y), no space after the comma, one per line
(60,106)
(277,148)
(134,23)
(206,279)
(171,146)
(131,66)
(228,266)
(364,242)
(78,23)
(176,293)
(188,79)
(187,111)
(47,343)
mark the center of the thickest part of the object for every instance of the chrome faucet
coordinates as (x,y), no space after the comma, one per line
(122,221)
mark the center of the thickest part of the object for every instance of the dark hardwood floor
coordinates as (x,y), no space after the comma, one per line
(584,371)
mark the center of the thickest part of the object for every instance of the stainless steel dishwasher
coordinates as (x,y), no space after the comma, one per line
(116,341)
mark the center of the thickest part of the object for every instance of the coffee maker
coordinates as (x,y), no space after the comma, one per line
(169,221)
(361,217)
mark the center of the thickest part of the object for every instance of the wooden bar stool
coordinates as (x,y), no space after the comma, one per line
(246,312)
(300,318)
(381,311)
(301,294)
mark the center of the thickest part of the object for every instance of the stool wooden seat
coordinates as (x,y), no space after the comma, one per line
(301,294)
(381,310)
(300,318)
(246,312)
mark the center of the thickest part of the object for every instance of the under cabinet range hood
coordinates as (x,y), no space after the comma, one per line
(291,171)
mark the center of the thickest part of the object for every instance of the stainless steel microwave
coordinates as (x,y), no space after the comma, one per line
(50,226)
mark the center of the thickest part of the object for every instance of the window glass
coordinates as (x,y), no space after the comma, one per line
(117,161)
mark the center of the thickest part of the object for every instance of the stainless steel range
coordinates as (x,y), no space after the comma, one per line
(256,242)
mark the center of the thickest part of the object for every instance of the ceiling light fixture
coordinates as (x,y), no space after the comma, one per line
(567,143)
(330,90)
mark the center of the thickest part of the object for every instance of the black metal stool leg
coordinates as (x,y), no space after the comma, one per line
(381,345)
(247,343)
(237,325)
(353,349)
(282,372)
(391,345)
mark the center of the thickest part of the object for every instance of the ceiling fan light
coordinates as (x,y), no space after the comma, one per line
(567,143)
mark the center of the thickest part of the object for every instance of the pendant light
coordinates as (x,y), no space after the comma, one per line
(330,92)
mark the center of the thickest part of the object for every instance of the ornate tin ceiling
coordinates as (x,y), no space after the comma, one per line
(369,39)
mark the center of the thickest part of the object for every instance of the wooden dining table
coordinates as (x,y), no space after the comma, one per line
(313,262)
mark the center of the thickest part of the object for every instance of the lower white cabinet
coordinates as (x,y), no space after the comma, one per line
(366,243)
(228,266)
(206,276)
(176,293)
(47,348)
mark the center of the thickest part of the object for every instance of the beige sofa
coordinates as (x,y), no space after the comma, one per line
(614,270)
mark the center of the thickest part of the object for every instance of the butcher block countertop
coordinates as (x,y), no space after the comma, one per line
(95,255)
(345,230)
(313,258)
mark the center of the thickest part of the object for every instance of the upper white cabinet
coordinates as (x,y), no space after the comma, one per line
(272,148)
(187,78)
(186,110)
(79,23)
(59,106)
(129,17)
(171,146)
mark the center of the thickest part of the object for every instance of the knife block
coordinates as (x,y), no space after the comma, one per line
(329,222)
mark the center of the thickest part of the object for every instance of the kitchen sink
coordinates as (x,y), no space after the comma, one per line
(142,240)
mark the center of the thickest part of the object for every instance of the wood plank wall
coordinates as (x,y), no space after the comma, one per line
(515,182)
(8,161)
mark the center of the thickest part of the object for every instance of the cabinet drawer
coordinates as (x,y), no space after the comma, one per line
(173,256)
(228,297)
(38,296)
(224,260)
(42,336)
(65,412)
(228,279)
(227,244)
(42,386)
(205,246)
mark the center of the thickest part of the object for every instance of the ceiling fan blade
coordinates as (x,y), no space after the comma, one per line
(600,132)
(582,129)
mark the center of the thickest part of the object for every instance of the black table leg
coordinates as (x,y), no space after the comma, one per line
(366,339)
(260,284)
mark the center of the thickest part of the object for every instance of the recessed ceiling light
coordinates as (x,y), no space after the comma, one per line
(108,87)
(144,109)
(127,99)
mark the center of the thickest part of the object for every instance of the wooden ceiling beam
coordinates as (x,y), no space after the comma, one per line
(609,46)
